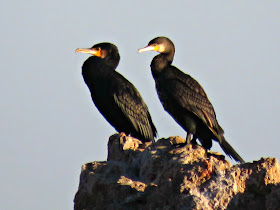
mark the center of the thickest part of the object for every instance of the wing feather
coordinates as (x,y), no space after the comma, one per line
(134,108)
(191,96)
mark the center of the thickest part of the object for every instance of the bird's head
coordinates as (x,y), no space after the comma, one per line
(159,44)
(101,50)
(105,50)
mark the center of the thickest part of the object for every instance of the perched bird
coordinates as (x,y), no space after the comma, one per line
(114,96)
(185,100)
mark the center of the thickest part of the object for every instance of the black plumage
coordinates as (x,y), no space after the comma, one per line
(185,100)
(114,96)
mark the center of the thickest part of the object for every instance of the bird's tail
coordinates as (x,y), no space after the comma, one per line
(229,150)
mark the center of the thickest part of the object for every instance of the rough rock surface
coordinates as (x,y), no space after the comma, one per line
(167,175)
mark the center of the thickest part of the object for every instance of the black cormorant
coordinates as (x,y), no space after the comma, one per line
(184,99)
(113,95)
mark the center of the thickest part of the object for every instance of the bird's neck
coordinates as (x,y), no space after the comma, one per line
(95,69)
(159,63)
(112,62)
(100,65)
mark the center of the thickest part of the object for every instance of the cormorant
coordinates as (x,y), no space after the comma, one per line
(114,96)
(185,100)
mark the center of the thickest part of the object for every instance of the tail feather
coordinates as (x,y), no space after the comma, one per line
(229,150)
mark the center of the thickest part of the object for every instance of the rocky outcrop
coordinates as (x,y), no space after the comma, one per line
(169,175)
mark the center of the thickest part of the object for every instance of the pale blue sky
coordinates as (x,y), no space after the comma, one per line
(49,125)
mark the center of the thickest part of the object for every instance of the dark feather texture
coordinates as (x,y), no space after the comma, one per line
(185,100)
(115,97)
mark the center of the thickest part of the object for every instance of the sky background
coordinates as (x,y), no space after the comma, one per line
(49,125)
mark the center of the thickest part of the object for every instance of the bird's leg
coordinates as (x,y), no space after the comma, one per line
(188,138)
(193,141)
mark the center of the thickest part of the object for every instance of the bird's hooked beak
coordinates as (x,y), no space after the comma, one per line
(92,51)
(149,48)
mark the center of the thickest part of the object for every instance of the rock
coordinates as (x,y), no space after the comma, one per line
(168,175)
